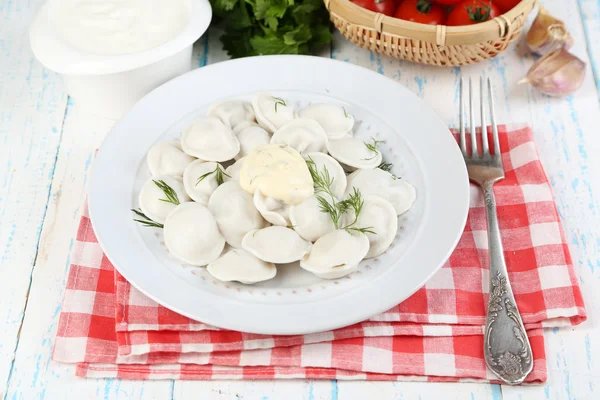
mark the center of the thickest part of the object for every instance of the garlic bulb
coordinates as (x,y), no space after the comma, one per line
(548,34)
(557,74)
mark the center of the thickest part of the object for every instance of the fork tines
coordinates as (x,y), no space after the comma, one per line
(485,151)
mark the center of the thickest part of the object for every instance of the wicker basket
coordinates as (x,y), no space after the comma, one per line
(428,44)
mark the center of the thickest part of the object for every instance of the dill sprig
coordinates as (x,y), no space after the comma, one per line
(336,209)
(373,147)
(345,113)
(218,175)
(386,166)
(279,101)
(170,194)
(356,203)
(323,181)
(145,220)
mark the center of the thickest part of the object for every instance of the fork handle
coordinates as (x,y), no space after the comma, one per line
(506,346)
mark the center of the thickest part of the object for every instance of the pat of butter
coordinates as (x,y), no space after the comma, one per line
(278,171)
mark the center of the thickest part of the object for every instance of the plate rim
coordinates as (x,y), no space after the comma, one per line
(324,321)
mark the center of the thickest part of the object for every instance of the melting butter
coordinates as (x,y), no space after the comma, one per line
(278,171)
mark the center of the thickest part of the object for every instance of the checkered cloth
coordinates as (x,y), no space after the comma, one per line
(110,329)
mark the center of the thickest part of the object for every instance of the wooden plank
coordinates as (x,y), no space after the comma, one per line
(568,150)
(564,131)
(32,106)
(256,390)
(34,374)
(417,391)
(590,16)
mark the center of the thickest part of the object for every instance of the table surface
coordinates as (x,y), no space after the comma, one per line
(47,148)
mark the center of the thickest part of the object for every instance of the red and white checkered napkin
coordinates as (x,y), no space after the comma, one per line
(111,329)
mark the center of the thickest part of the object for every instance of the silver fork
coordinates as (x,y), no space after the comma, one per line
(506,346)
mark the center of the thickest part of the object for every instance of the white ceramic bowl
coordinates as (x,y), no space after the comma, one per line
(109,86)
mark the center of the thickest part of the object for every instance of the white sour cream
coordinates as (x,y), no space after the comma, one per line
(114,27)
(278,171)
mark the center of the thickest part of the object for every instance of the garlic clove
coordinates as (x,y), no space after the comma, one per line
(548,34)
(558,74)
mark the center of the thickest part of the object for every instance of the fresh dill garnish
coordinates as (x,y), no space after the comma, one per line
(373,147)
(356,203)
(218,175)
(336,209)
(145,220)
(323,181)
(386,166)
(279,100)
(345,113)
(170,194)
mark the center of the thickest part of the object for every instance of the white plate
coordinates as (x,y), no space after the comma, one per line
(416,141)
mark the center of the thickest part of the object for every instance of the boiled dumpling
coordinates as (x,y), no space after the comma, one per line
(309,221)
(355,153)
(272,112)
(334,119)
(378,182)
(271,209)
(380,217)
(200,190)
(167,158)
(234,212)
(334,169)
(241,266)
(234,170)
(151,197)
(250,136)
(232,112)
(192,236)
(276,244)
(304,135)
(336,254)
(210,139)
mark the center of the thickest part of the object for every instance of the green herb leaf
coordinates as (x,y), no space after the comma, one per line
(272,44)
(145,221)
(279,101)
(373,146)
(170,194)
(218,175)
(329,205)
(300,35)
(220,6)
(386,166)
(253,27)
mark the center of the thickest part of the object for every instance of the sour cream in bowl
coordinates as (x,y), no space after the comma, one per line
(113,52)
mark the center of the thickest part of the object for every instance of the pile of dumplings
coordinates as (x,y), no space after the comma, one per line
(241,236)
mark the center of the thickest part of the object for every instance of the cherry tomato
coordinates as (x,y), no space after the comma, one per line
(422,11)
(386,7)
(506,5)
(447,2)
(471,12)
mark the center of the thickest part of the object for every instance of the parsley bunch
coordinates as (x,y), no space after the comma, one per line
(261,27)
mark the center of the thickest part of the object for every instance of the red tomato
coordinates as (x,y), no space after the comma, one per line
(422,11)
(447,2)
(506,5)
(386,7)
(471,12)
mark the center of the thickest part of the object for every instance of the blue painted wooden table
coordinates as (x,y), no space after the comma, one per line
(46,151)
